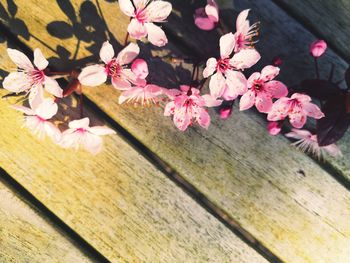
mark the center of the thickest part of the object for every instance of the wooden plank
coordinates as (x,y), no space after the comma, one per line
(26,236)
(330,20)
(117,201)
(255,184)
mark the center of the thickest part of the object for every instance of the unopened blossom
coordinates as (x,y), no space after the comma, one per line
(144,14)
(80,134)
(262,89)
(297,108)
(188,107)
(115,67)
(225,112)
(226,79)
(38,115)
(245,33)
(307,142)
(274,127)
(142,92)
(30,78)
(208,17)
(317,48)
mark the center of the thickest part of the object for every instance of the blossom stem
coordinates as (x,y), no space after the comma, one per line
(194,71)
(316,68)
(81,106)
(126,39)
(202,84)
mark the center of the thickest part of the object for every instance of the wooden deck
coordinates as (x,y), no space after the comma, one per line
(229,194)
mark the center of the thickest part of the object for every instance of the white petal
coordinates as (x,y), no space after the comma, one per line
(211,101)
(39,60)
(156,35)
(101,130)
(20,59)
(92,143)
(53,132)
(127,7)
(217,85)
(93,75)
(25,110)
(227,44)
(52,87)
(210,68)
(158,11)
(136,29)
(16,82)
(36,96)
(82,123)
(247,100)
(47,109)
(106,52)
(245,58)
(128,54)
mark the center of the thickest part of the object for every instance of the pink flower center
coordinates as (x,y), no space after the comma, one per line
(258,86)
(294,106)
(223,65)
(40,118)
(141,15)
(113,68)
(80,130)
(37,76)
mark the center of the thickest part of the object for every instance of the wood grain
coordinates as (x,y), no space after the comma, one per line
(25,235)
(254,177)
(117,201)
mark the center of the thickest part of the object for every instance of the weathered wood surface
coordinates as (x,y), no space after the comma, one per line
(255,178)
(330,20)
(25,236)
(117,201)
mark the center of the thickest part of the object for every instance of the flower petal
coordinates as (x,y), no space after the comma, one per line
(158,11)
(120,83)
(236,84)
(47,109)
(210,68)
(128,54)
(36,96)
(276,89)
(169,108)
(227,44)
(297,119)
(312,110)
(16,82)
(92,143)
(301,97)
(217,85)
(269,72)
(212,10)
(204,119)
(263,102)
(156,35)
(52,131)
(93,75)
(127,7)
(39,60)
(20,59)
(279,109)
(245,58)
(140,68)
(51,86)
(204,23)
(106,52)
(136,29)
(101,130)
(241,22)
(81,123)
(211,101)
(247,100)
(25,110)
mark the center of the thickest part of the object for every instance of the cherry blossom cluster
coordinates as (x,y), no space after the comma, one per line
(187,105)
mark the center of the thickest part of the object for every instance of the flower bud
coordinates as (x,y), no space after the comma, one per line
(317,48)
(277,61)
(225,112)
(139,68)
(274,127)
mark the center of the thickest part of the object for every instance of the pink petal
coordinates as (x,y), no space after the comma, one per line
(52,87)
(269,72)
(211,101)
(274,127)
(25,110)
(276,88)
(204,119)
(299,134)
(106,52)
(129,94)
(81,123)
(158,11)
(210,68)
(20,59)
(182,120)
(279,109)
(312,110)
(247,100)
(120,83)
(39,60)
(128,54)
(225,112)
(47,109)
(297,119)
(139,68)
(52,131)
(127,7)
(101,130)
(263,102)
(245,58)
(241,22)
(16,82)
(212,11)
(172,93)
(301,97)
(93,75)
(136,29)
(254,77)
(169,108)
(204,23)
(36,96)
(318,48)
(236,84)
(217,85)
(92,143)
(333,150)
(156,35)
(227,44)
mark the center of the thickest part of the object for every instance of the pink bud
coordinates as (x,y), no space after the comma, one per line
(140,68)
(225,112)
(274,127)
(317,48)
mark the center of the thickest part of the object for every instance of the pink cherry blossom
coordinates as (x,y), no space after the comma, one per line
(262,89)
(143,93)
(318,48)
(274,127)
(140,68)
(29,77)
(245,34)
(187,106)
(307,142)
(38,115)
(80,134)
(226,79)
(115,67)
(208,17)
(297,108)
(144,13)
